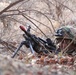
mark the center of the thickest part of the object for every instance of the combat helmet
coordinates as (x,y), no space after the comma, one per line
(66,32)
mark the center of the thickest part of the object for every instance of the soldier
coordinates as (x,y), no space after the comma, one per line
(66,40)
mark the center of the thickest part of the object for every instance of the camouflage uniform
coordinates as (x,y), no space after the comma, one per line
(67,33)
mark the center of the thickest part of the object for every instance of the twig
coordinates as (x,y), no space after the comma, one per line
(9,46)
(35,11)
(39,22)
(65,49)
(31,22)
(11,5)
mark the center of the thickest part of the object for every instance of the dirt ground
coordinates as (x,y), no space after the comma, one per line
(29,65)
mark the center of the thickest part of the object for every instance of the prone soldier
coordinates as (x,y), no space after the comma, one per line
(65,42)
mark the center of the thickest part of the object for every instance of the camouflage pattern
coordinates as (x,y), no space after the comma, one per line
(69,33)
(66,32)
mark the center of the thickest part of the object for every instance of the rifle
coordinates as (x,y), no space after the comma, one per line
(36,44)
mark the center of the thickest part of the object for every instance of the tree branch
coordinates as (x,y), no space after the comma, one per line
(12,4)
